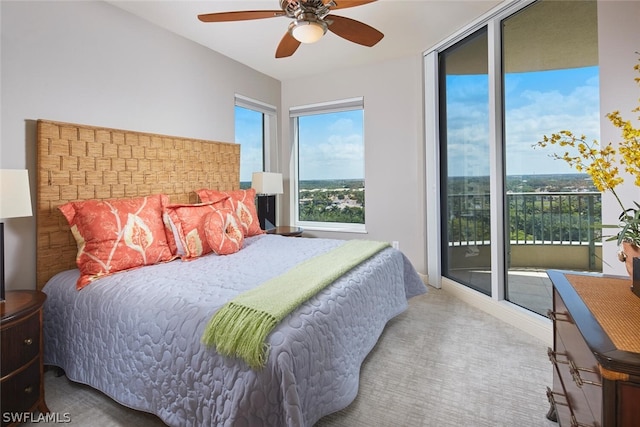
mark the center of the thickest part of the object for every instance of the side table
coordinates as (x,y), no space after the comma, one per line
(284,230)
(22,370)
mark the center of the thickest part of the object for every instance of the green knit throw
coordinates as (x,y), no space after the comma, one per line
(240,328)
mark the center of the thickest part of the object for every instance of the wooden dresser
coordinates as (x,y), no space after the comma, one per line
(21,368)
(596,354)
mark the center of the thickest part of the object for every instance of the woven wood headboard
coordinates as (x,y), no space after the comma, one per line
(78,162)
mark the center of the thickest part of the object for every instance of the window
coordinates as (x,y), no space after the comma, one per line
(329,184)
(254,128)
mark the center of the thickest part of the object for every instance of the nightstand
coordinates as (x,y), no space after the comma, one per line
(286,231)
(21,372)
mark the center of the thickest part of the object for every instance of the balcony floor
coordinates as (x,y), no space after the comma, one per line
(528,288)
(531,289)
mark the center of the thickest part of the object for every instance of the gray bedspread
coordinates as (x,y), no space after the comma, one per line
(136,335)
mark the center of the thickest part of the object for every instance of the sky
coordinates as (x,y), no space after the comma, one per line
(249,136)
(537,104)
(331,145)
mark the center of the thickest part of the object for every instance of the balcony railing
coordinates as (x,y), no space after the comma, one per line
(536,219)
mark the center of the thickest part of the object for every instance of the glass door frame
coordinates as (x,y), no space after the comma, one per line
(492,21)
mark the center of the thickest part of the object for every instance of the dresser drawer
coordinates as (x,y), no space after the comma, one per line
(559,399)
(577,366)
(627,408)
(22,390)
(20,343)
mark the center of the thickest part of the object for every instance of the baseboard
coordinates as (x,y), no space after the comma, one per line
(424,277)
(525,320)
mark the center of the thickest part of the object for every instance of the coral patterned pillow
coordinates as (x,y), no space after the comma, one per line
(242,202)
(117,234)
(223,231)
(173,237)
(189,221)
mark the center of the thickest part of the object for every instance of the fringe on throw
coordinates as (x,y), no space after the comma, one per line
(239,331)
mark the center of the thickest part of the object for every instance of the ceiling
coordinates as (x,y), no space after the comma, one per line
(410,27)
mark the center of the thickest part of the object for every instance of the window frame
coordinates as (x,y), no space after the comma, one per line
(269,129)
(493,21)
(349,104)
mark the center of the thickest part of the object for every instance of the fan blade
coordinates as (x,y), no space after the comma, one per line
(240,16)
(288,45)
(354,31)
(343,4)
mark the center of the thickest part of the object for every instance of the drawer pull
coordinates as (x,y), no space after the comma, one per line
(553,402)
(575,374)
(28,341)
(552,399)
(28,390)
(557,316)
(553,356)
(575,423)
(573,369)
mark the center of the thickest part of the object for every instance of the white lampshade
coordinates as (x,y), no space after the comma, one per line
(15,197)
(308,31)
(267,182)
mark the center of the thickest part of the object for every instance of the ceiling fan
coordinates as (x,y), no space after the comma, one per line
(311,20)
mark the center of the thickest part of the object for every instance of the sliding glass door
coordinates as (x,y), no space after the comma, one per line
(509,212)
(464,133)
(550,83)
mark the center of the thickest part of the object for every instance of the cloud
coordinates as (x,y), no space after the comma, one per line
(331,146)
(543,113)
(537,104)
(342,156)
(251,156)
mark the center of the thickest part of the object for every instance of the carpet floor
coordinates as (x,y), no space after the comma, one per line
(440,363)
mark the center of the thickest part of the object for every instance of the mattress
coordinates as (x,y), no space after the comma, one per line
(136,335)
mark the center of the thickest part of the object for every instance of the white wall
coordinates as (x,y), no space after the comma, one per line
(91,63)
(95,64)
(394,157)
(394,146)
(618,47)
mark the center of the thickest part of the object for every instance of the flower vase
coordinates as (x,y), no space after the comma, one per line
(630,252)
(632,262)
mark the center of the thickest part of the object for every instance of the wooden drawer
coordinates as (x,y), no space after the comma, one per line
(558,398)
(21,391)
(577,367)
(20,344)
(627,407)
(22,387)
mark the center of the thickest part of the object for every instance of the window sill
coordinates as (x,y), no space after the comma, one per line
(336,228)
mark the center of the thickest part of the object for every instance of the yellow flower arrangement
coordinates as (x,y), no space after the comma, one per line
(602,165)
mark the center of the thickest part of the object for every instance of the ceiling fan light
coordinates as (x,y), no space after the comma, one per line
(308,31)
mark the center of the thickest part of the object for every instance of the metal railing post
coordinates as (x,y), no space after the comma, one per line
(590,233)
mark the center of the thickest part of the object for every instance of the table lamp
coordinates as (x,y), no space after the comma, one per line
(267,185)
(15,202)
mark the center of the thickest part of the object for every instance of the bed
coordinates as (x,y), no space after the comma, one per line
(136,335)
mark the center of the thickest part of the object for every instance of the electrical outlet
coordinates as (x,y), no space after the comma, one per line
(395,244)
